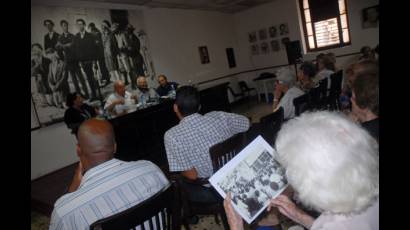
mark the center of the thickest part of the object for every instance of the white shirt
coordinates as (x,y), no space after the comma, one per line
(107,189)
(367,220)
(119,108)
(287,102)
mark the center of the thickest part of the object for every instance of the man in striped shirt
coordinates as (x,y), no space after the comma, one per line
(103,186)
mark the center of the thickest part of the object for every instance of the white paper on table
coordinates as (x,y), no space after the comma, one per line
(253,173)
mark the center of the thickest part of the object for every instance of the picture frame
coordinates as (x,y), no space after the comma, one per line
(263,35)
(203,54)
(370,17)
(273,31)
(283,29)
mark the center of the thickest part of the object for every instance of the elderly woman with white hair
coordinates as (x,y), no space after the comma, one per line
(285,85)
(333,166)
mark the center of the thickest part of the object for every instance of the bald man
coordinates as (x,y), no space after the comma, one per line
(143,92)
(102,185)
(117,102)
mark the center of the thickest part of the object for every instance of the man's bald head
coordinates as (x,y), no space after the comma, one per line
(119,87)
(96,140)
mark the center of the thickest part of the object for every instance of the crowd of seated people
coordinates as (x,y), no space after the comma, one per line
(327,143)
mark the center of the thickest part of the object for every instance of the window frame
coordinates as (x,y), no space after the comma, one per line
(339,26)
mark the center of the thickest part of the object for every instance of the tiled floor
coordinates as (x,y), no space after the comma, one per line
(251,108)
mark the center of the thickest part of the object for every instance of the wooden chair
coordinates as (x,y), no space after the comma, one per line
(224,151)
(235,95)
(163,207)
(271,124)
(302,104)
(220,153)
(245,88)
(335,90)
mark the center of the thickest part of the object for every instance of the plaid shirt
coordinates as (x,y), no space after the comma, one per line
(187,144)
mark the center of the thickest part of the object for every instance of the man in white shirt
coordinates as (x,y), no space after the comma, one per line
(117,103)
(143,92)
(103,186)
(285,86)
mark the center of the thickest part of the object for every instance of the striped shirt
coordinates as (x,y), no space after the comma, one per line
(107,189)
(187,144)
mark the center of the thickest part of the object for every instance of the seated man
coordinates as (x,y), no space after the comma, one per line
(143,93)
(77,112)
(284,86)
(365,102)
(117,102)
(165,87)
(103,186)
(187,144)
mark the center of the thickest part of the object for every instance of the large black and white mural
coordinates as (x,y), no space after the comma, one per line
(84,50)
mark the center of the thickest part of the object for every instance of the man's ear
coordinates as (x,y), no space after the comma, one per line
(176,110)
(115,147)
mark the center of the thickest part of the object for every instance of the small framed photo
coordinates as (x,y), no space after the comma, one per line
(285,41)
(263,34)
(273,31)
(283,29)
(255,49)
(252,37)
(275,45)
(264,48)
(203,54)
(370,17)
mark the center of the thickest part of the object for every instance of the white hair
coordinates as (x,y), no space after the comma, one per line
(331,162)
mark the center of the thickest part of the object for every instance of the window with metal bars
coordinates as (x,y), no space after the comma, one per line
(325,24)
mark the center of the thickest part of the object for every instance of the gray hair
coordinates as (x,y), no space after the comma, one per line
(331,162)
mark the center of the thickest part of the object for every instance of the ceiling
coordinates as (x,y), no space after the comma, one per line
(225,6)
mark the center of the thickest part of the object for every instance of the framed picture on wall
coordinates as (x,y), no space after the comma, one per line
(283,29)
(203,54)
(370,17)
(273,31)
(264,48)
(275,46)
(263,34)
(284,41)
(255,49)
(252,37)
(81,61)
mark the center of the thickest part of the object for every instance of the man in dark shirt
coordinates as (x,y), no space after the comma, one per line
(65,49)
(51,38)
(77,112)
(99,52)
(164,86)
(134,51)
(365,102)
(84,49)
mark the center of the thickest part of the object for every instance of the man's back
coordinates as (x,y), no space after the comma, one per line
(106,189)
(187,144)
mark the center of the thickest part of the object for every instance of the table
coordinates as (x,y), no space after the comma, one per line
(140,133)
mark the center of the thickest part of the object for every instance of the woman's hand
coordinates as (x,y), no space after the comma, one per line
(234,219)
(289,209)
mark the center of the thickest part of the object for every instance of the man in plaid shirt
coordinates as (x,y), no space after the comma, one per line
(187,144)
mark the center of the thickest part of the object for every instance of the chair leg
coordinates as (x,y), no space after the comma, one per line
(216,219)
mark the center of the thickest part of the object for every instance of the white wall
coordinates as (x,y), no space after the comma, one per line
(175,36)
(287,11)
(52,148)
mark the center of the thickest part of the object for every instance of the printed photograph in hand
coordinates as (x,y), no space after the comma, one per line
(253,182)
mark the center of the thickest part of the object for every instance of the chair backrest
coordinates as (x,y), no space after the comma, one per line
(162,207)
(233,92)
(224,151)
(243,86)
(302,104)
(336,81)
(271,124)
